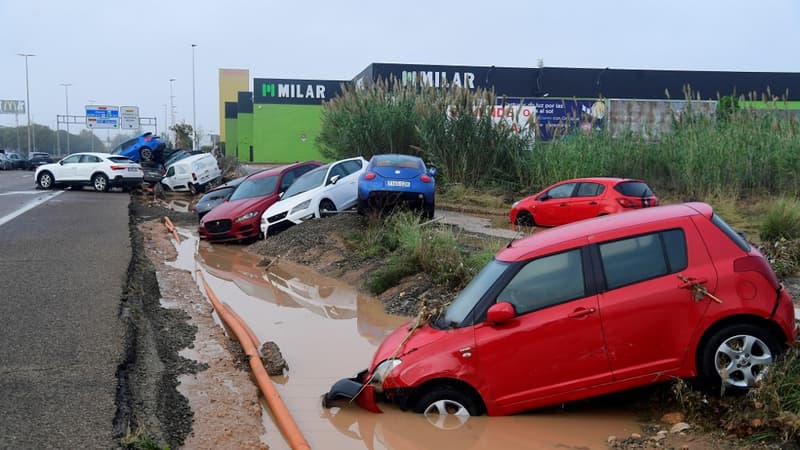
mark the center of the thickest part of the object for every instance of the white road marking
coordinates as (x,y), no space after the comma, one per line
(23,192)
(28,207)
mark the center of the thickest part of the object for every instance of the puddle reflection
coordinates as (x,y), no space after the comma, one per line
(327,330)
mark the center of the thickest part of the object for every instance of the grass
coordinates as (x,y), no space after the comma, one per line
(412,248)
(140,440)
(782,220)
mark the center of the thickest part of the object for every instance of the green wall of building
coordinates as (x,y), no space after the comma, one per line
(244,132)
(231,137)
(285,133)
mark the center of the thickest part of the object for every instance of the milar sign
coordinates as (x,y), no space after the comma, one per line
(294,91)
(438,79)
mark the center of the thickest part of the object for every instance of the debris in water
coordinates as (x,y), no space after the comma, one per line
(272,359)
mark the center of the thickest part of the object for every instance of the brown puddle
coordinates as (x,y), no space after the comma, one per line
(327,330)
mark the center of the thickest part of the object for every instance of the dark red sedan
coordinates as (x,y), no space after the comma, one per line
(581,198)
(238,219)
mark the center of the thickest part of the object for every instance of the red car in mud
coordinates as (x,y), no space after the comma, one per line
(239,217)
(581,198)
(586,309)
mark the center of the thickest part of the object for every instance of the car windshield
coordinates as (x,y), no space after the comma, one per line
(307,182)
(466,300)
(176,157)
(255,187)
(405,161)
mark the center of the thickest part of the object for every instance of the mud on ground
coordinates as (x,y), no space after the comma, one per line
(184,382)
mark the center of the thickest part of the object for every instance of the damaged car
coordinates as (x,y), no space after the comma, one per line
(586,309)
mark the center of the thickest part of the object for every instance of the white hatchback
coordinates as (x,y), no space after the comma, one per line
(328,188)
(99,170)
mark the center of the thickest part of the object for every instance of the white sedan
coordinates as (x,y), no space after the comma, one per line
(99,170)
(328,188)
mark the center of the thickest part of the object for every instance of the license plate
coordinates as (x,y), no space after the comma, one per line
(397,183)
(133,169)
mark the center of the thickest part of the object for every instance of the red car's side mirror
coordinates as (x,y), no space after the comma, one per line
(500,313)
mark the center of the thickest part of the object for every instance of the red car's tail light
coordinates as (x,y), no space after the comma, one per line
(425,178)
(625,203)
(194,177)
(758,264)
(118,167)
(369,176)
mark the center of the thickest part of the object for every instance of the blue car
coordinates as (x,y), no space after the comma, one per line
(391,180)
(147,147)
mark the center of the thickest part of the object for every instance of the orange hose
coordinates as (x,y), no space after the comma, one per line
(246,327)
(171,228)
(282,416)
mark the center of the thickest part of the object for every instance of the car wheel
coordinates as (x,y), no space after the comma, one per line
(440,403)
(192,189)
(46,180)
(145,154)
(428,210)
(325,207)
(738,356)
(100,182)
(525,219)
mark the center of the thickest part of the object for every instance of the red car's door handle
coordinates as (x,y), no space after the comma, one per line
(581,312)
(593,203)
(563,204)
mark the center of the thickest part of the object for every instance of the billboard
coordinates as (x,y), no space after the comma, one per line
(102,116)
(547,118)
(12,107)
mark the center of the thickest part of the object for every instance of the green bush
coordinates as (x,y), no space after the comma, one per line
(782,221)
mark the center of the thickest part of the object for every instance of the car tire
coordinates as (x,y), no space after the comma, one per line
(361,207)
(737,355)
(145,154)
(46,180)
(525,219)
(192,189)
(428,210)
(100,182)
(325,207)
(446,400)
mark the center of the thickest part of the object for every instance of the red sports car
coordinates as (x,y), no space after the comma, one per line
(238,219)
(581,198)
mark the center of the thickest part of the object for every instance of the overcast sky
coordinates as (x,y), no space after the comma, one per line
(124,53)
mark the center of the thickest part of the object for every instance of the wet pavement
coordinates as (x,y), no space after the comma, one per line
(327,330)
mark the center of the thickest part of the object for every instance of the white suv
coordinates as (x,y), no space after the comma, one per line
(99,170)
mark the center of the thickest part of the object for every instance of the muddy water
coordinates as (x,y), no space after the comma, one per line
(327,330)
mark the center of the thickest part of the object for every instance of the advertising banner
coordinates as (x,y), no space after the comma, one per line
(549,118)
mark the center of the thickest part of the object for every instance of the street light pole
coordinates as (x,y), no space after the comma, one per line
(27,99)
(171,123)
(194,104)
(66,108)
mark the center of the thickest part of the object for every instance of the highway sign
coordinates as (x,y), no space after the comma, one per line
(102,116)
(129,117)
(12,107)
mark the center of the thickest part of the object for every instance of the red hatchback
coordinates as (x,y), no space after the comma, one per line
(586,309)
(239,218)
(581,198)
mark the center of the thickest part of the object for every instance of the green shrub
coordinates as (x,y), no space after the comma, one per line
(782,221)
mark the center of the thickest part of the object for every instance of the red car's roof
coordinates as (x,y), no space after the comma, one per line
(280,169)
(599,180)
(554,236)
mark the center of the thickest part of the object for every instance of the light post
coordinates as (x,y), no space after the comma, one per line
(66,108)
(194,105)
(171,123)
(91,102)
(28,100)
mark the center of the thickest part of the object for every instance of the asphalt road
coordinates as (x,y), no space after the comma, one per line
(63,263)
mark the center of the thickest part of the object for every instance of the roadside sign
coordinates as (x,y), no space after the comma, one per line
(12,107)
(102,116)
(129,117)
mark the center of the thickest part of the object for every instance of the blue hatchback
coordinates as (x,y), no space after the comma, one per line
(393,179)
(147,147)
